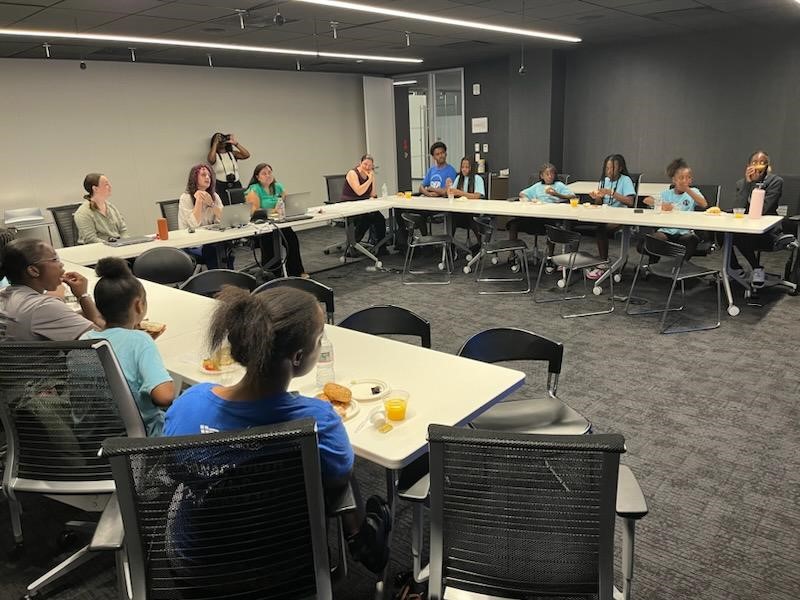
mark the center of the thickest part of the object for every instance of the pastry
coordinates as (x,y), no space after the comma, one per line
(338,393)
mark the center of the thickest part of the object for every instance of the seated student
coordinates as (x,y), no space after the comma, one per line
(615,189)
(680,196)
(6,237)
(97,219)
(276,336)
(757,174)
(262,194)
(467,184)
(200,205)
(440,175)
(27,311)
(122,301)
(549,189)
(359,184)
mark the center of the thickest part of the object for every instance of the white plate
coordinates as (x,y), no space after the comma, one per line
(352,410)
(362,389)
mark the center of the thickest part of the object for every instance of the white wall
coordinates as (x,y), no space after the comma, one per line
(380,130)
(145,125)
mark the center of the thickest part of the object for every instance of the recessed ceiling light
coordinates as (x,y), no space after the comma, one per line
(154,41)
(432,18)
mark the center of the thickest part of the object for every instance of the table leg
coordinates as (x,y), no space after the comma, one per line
(617,265)
(383,586)
(448,227)
(352,242)
(727,248)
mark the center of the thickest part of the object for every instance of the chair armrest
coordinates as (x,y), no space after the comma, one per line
(339,500)
(795,218)
(630,500)
(418,491)
(109,533)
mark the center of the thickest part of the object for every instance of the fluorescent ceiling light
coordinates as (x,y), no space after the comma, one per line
(404,14)
(154,41)
(413,81)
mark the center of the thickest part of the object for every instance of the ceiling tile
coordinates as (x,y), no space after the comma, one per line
(661,6)
(11,13)
(190,12)
(140,25)
(122,6)
(72,20)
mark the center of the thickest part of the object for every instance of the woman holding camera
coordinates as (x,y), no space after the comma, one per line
(223,155)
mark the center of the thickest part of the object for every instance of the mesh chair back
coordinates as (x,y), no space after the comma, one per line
(389,320)
(334,184)
(65,222)
(502,344)
(169,210)
(209,283)
(224,515)
(663,248)
(164,265)
(710,192)
(523,516)
(636,178)
(321,292)
(234,196)
(485,226)
(790,202)
(558,235)
(58,402)
(414,221)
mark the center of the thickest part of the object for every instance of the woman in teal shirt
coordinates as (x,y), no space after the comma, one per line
(262,194)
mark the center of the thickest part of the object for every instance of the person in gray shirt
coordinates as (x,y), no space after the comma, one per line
(32,307)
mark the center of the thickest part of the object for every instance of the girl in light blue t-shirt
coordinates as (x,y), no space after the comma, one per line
(122,302)
(680,196)
(615,189)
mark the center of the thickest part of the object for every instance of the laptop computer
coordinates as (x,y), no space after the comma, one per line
(234,215)
(297,206)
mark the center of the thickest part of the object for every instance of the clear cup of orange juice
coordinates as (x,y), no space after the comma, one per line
(738,213)
(407,195)
(395,404)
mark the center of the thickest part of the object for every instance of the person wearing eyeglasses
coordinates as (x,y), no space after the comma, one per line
(32,307)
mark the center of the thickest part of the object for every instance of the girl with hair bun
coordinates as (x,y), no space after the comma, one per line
(97,219)
(680,196)
(275,335)
(122,300)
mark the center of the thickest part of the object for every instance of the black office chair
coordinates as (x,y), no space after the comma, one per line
(334,184)
(165,265)
(64,217)
(209,283)
(389,320)
(169,211)
(321,292)
(570,260)
(237,514)
(490,249)
(58,402)
(416,222)
(529,516)
(674,266)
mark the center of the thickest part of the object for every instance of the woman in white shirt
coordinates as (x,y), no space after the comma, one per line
(200,205)
(224,154)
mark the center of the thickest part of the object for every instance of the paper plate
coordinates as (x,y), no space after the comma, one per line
(352,410)
(367,390)
(221,370)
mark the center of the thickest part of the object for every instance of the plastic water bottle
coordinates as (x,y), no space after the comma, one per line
(384,192)
(325,372)
(280,209)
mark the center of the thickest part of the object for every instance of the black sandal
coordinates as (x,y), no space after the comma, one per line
(374,549)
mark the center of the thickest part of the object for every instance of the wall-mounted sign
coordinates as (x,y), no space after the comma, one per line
(480,125)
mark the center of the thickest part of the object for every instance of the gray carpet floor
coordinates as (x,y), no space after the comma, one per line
(710,421)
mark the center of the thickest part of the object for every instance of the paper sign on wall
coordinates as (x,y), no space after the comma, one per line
(480,125)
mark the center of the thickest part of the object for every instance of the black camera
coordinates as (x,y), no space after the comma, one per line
(230,177)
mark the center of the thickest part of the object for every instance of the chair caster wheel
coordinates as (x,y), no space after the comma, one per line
(597,290)
(326,252)
(514,268)
(617,277)
(549,270)
(467,270)
(733,310)
(16,552)
(562,283)
(342,259)
(794,292)
(495,260)
(67,539)
(379,264)
(440,266)
(469,257)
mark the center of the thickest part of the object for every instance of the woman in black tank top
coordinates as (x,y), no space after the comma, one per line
(359,184)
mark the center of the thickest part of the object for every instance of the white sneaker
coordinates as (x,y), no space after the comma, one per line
(759,277)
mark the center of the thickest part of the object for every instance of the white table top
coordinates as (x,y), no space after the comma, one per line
(593,214)
(443,388)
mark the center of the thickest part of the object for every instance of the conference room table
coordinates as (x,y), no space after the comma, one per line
(629,218)
(443,388)
(645,189)
(89,254)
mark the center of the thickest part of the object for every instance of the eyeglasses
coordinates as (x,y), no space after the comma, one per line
(44,260)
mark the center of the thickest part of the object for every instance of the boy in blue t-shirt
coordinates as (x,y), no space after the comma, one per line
(439,176)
